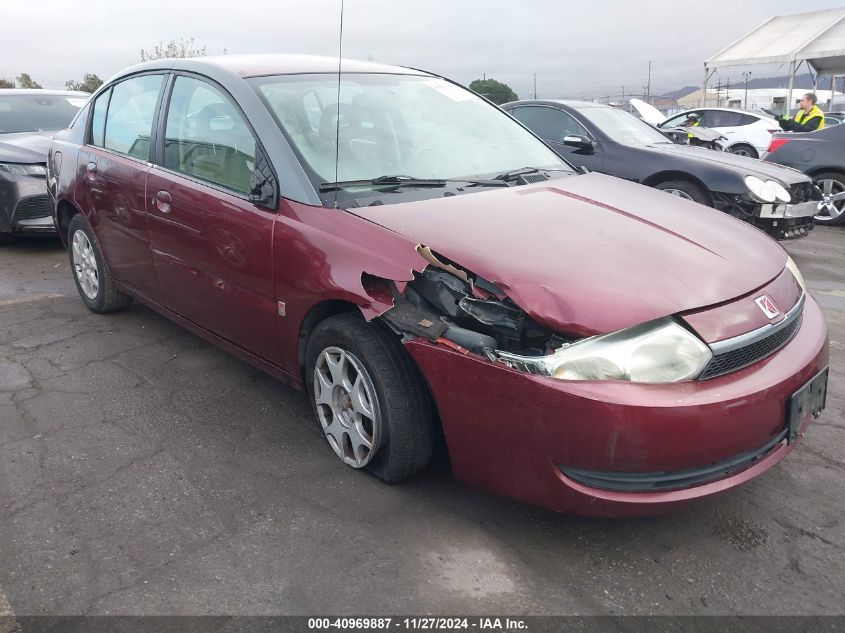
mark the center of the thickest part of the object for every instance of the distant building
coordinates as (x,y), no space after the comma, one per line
(758,99)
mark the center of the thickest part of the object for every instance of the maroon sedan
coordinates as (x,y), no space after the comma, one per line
(414,258)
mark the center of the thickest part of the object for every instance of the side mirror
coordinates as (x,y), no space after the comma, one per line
(581,142)
(264,190)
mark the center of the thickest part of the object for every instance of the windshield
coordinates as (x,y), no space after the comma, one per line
(623,127)
(408,125)
(35,113)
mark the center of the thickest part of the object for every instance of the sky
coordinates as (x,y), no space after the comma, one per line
(576,49)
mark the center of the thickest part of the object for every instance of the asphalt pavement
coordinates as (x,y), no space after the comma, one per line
(144,471)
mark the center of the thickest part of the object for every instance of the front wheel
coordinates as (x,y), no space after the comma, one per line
(5,238)
(831,209)
(369,398)
(92,277)
(686,190)
(744,150)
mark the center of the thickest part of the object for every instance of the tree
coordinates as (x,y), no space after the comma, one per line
(25,81)
(181,49)
(496,91)
(90,82)
(5,83)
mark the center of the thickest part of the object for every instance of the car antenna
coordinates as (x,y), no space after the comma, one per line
(337,125)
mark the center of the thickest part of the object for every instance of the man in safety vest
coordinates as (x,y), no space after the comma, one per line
(693,120)
(808,118)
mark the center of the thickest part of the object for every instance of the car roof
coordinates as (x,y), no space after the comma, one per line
(41,91)
(258,65)
(758,113)
(571,103)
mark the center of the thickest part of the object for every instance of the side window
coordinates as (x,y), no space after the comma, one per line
(131,110)
(98,121)
(675,121)
(709,118)
(550,124)
(206,137)
(745,119)
(728,119)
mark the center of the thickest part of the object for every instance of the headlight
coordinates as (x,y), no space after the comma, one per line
(659,351)
(20,169)
(790,264)
(768,191)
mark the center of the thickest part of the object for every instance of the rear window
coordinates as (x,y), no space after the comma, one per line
(36,113)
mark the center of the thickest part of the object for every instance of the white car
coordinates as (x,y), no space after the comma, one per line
(748,131)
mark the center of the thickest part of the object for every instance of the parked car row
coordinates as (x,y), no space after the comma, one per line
(416,259)
(602,138)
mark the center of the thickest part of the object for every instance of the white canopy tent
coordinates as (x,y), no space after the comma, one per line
(817,38)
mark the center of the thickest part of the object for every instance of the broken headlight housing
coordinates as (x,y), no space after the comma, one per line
(660,351)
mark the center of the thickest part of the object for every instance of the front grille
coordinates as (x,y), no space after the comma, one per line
(803,192)
(32,208)
(734,359)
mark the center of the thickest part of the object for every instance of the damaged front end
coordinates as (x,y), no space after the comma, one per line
(449,306)
(445,304)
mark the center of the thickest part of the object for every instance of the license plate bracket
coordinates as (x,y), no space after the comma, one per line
(810,398)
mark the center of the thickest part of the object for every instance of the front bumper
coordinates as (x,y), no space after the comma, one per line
(787,221)
(24,205)
(515,434)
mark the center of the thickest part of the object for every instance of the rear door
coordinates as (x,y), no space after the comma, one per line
(553,125)
(112,173)
(211,246)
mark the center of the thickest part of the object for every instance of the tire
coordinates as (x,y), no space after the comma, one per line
(95,288)
(742,149)
(831,212)
(685,189)
(401,428)
(5,238)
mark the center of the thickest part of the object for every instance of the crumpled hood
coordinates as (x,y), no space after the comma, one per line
(591,254)
(747,166)
(24,147)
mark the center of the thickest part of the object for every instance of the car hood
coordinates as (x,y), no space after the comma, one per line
(591,254)
(648,112)
(24,147)
(747,166)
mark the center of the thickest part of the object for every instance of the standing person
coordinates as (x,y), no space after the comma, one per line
(808,118)
(693,120)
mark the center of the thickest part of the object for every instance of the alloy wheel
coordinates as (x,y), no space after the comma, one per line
(832,204)
(347,406)
(85,265)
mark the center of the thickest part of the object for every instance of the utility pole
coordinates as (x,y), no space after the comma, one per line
(746,75)
(484,76)
(648,88)
(535,85)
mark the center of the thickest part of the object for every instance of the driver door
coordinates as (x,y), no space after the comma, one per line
(553,125)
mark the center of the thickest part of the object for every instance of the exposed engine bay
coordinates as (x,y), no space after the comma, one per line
(444,303)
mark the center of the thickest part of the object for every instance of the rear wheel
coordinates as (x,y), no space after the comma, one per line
(744,150)
(831,209)
(92,277)
(369,398)
(686,190)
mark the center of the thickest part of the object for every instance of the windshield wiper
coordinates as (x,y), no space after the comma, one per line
(516,173)
(390,181)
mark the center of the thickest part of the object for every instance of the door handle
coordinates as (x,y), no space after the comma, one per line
(162,201)
(91,170)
